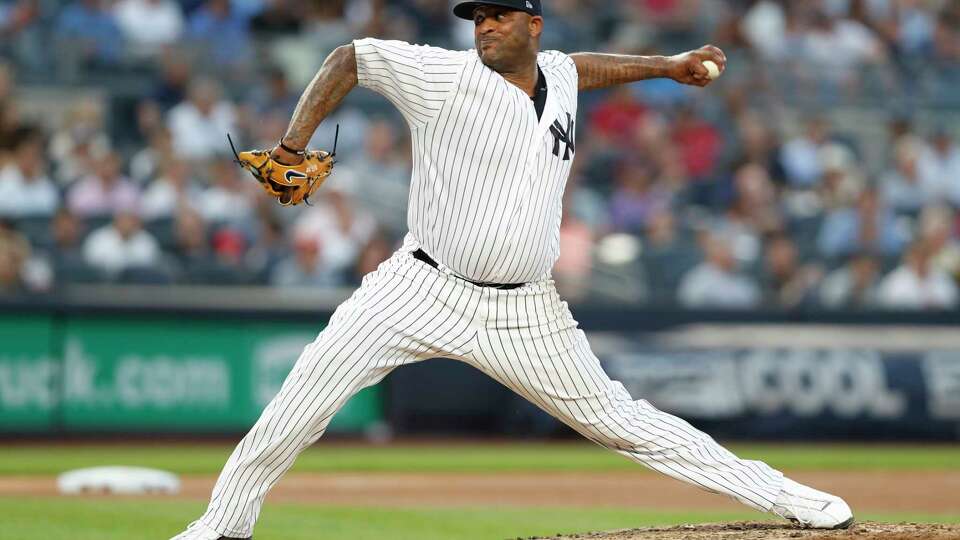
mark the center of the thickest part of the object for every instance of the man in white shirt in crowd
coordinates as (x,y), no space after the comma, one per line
(199,124)
(121,245)
(917,284)
(716,282)
(25,190)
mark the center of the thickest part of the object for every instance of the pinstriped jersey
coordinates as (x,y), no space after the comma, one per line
(488,175)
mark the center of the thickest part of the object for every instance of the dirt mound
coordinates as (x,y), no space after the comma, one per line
(776,531)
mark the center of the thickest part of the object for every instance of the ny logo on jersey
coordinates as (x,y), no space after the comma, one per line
(563,135)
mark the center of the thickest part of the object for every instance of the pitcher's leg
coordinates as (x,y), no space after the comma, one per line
(327,374)
(392,320)
(539,353)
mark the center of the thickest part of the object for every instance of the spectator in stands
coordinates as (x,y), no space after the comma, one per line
(229,197)
(799,156)
(328,26)
(636,197)
(853,285)
(172,84)
(80,141)
(268,249)
(567,30)
(307,267)
(903,186)
(9,122)
(13,254)
(22,26)
(229,250)
(340,227)
(191,244)
(836,47)
(25,190)
(842,181)
(753,213)
(698,143)
(757,143)
(430,18)
(199,124)
(869,226)
(172,190)
(575,263)
(66,254)
(104,192)
(221,33)
(917,283)
(936,231)
(668,254)
(274,96)
(673,20)
(149,25)
(947,34)
(618,113)
(20,269)
(121,245)
(90,33)
(764,27)
(145,163)
(278,18)
(939,165)
(717,283)
(915,25)
(376,250)
(787,282)
(383,174)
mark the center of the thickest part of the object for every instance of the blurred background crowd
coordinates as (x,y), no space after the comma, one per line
(821,171)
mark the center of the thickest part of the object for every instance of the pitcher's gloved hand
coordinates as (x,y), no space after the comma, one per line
(290,183)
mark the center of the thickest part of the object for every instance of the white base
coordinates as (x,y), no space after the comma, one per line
(118,481)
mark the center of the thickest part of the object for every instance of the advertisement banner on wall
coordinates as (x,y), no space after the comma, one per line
(152,375)
(796,382)
(28,374)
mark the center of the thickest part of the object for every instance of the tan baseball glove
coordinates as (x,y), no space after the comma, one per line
(289,184)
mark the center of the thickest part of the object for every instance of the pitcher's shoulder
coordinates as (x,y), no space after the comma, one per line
(558,64)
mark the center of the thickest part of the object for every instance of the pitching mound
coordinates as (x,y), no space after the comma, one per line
(776,531)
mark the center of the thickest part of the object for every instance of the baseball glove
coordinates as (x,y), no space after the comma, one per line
(289,184)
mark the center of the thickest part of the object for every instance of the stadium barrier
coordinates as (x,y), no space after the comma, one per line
(183,362)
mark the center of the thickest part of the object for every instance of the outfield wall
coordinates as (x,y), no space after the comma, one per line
(132,366)
(147,374)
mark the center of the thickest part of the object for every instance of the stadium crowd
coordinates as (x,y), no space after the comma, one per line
(750,193)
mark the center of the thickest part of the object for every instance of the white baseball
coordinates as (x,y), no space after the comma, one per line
(713,71)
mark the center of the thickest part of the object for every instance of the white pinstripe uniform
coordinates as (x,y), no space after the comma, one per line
(488,179)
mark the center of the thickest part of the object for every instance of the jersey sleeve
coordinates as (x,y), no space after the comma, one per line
(560,65)
(417,79)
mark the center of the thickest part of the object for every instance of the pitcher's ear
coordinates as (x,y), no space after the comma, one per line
(535,25)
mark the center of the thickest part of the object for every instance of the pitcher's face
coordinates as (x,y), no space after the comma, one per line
(503,36)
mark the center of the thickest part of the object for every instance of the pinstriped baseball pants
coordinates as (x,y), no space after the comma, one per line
(407,311)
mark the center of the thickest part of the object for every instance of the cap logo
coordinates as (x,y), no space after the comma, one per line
(529,5)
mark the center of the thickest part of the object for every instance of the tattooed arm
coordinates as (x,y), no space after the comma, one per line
(604,70)
(332,83)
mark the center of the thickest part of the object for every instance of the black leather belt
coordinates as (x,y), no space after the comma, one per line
(421,255)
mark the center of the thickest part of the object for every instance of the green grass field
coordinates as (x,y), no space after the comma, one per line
(208,458)
(55,518)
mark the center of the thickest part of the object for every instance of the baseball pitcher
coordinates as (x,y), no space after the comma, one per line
(493,133)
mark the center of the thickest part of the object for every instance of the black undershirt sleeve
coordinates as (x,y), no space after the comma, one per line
(540,96)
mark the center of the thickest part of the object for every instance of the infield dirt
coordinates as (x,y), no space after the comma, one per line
(922,492)
(770,531)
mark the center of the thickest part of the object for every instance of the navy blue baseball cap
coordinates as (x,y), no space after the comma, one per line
(464,10)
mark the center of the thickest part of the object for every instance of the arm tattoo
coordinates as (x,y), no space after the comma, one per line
(604,70)
(336,78)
